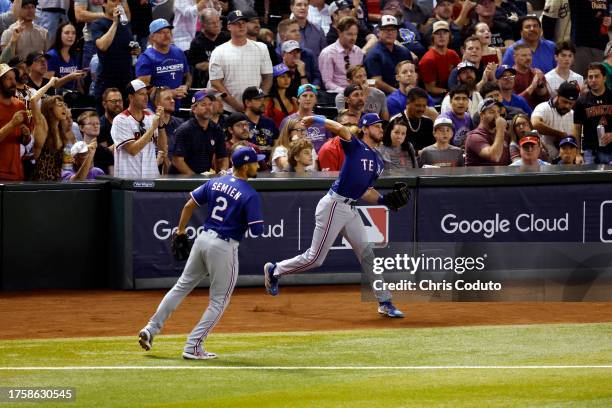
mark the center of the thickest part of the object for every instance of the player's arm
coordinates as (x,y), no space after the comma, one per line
(186,216)
(371,196)
(333,126)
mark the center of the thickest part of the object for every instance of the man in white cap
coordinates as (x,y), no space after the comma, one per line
(381,60)
(239,63)
(12,118)
(82,165)
(137,135)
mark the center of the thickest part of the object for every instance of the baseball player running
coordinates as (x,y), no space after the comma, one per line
(336,211)
(233,206)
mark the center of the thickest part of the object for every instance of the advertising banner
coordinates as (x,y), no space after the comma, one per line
(289,221)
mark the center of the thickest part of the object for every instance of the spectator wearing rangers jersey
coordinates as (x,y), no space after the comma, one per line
(164,64)
(136,136)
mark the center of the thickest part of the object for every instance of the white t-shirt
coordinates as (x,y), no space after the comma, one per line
(475,100)
(126,129)
(239,67)
(552,119)
(554,81)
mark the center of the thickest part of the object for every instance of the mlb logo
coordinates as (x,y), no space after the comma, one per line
(376,221)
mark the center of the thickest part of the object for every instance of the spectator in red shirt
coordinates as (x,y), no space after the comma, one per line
(331,155)
(437,63)
(12,117)
(488,144)
(529,82)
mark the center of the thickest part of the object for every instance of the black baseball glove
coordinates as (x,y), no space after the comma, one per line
(180,246)
(397,198)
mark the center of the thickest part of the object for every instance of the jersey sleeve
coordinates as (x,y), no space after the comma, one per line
(349,146)
(121,131)
(200,194)
(254,215)
(143,65)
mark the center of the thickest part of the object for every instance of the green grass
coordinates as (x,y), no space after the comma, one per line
(575,344)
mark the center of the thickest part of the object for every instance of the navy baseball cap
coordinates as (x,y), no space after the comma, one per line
(487,103)
(369,119)
(205,93)
(253,92)
(244,155)
(234,118)
(159,24)
(503,68)
(568,140)
(236,16)
(568,91)
(36,55)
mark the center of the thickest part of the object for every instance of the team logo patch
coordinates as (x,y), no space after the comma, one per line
(376,222)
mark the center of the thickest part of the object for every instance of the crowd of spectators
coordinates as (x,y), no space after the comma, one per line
(136,89)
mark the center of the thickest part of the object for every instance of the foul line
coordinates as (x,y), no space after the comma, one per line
(288,368)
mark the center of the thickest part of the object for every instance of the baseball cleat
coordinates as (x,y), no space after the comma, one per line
(387,309)
(205,355)
(145,339)
(270,280)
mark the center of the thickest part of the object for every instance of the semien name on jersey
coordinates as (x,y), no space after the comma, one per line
(227,189)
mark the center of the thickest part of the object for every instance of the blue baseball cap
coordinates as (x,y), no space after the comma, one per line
(159,24)
(369,119)
(244,155)
(503,68)
(279,70)
(306,88)
(206,93)
(568,140)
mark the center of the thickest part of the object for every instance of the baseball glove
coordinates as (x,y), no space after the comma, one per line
(181,246)
(397,198)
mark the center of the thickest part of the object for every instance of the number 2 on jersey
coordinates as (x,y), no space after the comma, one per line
(220,207)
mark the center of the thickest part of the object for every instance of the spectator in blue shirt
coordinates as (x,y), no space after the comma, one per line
(381,60)
(505,77)
(164,64)
(63,62)
(531,34)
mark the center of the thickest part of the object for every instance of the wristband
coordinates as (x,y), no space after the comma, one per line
(381,200)
(319,120)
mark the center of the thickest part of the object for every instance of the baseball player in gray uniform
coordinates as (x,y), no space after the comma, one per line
(336,211)
(233,206)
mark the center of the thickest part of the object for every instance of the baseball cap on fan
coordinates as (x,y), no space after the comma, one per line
(159,24)
(245,155)
(388,21)
(440,25)
(206,93)
(291,45)
(136,85)
(338,5)
(236,16)
(78,148)
(532,137)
